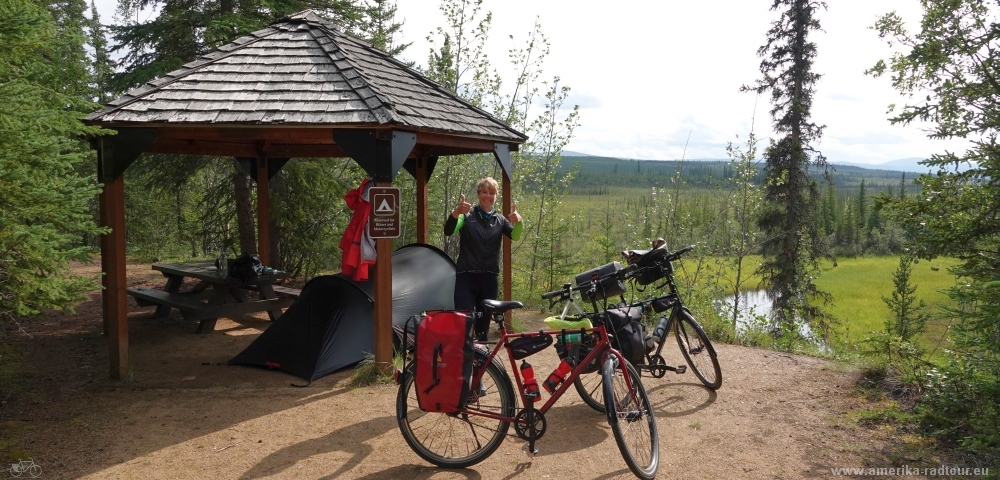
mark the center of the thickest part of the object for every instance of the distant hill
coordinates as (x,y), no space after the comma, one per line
(911,165)
(901,165)
(601,175)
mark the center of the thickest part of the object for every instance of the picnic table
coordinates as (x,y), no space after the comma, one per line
(214,295)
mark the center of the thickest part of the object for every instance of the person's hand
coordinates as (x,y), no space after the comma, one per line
(513,216)
(462,208)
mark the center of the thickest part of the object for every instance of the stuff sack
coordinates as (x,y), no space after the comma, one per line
(443,370)
(627,332)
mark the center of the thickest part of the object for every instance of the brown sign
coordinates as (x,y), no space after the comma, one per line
(384,219)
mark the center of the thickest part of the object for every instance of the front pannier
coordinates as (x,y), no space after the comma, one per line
(444,352)
(627,332)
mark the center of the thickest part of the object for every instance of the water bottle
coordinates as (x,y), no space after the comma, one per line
(661,330)
(557,376)
(530,384)
(223,264)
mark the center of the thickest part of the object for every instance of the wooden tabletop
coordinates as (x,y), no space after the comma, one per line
(207,271)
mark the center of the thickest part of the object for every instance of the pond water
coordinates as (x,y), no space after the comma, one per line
(755,313)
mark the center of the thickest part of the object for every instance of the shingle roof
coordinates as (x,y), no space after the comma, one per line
(301,70)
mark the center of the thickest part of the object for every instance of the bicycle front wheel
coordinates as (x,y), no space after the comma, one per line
(631,417)
(458,440)
(697,350)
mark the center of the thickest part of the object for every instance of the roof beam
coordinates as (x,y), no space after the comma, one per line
(379,152)
(116,152)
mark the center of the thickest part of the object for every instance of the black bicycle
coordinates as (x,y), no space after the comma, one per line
(654,265)
(647,267)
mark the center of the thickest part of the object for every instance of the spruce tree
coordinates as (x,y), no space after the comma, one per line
(102,66)
(43,208)
(862,218)
(908,316)
(790,255)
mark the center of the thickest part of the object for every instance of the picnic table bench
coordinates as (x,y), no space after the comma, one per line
(214,295)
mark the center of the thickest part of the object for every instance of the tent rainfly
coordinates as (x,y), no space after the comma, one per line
(330,325)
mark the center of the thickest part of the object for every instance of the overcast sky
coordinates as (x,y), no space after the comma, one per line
(648,75)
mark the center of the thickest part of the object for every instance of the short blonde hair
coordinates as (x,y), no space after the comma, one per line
(487,182)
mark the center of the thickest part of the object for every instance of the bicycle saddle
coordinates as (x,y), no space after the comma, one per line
(500,305)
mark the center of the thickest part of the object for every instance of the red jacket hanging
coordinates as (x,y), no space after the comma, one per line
(358,247)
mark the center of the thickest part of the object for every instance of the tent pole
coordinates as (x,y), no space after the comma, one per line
(507,201)
(421,199)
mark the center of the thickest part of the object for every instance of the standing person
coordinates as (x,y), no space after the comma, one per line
(481,231)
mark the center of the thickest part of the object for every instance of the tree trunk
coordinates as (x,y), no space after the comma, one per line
(244,210)
(275,241)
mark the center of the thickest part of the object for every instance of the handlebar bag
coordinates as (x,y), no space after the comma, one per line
(627,332)
(444,352)
(652,266)
(609,285)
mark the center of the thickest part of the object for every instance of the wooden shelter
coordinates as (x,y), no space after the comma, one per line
(299,88)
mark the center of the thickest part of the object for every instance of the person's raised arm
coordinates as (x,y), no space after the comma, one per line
(456,220)
(515,219)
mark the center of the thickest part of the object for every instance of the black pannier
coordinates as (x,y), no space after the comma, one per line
(628,332)
(578,351)
(609,285)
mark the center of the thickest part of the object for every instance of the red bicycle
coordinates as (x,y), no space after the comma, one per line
(472,434)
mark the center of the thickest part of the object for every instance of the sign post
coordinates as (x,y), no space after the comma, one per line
(384,219)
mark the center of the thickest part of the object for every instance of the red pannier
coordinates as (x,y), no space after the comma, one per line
(443,370)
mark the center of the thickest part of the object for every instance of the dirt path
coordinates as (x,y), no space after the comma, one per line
(185,414)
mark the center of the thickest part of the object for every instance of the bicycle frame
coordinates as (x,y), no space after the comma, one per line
(603,348)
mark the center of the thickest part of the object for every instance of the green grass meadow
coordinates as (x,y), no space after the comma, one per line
(858,285)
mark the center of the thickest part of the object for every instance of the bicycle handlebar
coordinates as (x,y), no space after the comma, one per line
(678,253)
(623,274)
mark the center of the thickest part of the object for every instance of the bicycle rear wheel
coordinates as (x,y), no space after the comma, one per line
(588,386)
(462,439)
(697,350)
(631,418)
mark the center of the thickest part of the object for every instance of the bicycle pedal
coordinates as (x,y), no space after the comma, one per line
(680,369)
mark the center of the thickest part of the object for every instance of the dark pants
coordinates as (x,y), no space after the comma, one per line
(471,288)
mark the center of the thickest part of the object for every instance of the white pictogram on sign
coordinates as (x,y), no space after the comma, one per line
(384,205)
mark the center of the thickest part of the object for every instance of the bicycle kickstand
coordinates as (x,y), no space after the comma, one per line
(532,432)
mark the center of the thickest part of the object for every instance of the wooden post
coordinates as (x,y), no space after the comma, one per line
(421,199)
(507,201)
(383,299)
(263,213)
(113,261)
